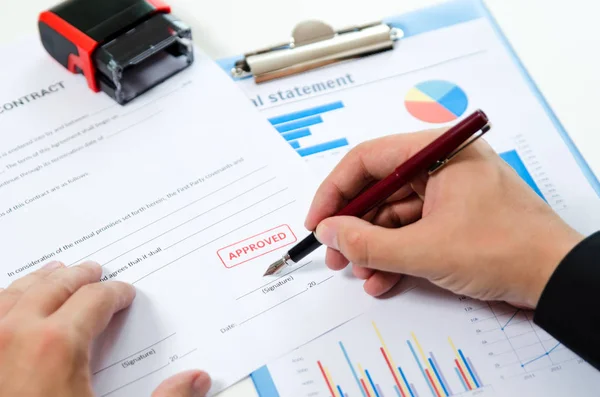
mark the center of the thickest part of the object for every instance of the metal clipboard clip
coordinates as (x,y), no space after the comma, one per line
(315,44)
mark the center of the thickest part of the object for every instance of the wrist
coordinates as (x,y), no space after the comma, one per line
(551,254)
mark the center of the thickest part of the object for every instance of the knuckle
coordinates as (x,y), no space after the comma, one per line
(56,341)
(8,332)
(103,295)
(357,247)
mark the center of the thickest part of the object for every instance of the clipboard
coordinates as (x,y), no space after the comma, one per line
(406,26)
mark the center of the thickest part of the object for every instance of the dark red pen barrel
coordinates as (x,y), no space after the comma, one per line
(439,149)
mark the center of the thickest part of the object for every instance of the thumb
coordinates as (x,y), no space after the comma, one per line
(405,250)
(185,384)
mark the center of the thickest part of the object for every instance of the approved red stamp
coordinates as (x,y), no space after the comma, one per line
(256,246)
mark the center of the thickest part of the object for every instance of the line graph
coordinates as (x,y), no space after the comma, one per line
(514,343)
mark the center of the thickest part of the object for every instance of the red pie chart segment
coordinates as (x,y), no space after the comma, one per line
(430,112)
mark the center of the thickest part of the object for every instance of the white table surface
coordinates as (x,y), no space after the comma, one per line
(556,40)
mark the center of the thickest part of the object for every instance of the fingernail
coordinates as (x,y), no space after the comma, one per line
(53,265)
(201,385)
(327,236)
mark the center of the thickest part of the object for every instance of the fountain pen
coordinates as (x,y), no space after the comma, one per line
(431,158)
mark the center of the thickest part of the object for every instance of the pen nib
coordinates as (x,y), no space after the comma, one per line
(275,267)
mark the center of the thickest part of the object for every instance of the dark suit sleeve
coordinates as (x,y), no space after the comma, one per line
(569,308)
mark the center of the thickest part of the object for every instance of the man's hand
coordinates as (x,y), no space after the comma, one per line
(474,227)
(48,320)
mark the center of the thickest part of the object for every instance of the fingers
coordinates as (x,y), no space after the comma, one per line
(393,215)
(185,384)
(92,307)
(381,282)
(372,160)
(54,290)
(408,250)
(362,273)
(400,213)
(335,260)
(13,293)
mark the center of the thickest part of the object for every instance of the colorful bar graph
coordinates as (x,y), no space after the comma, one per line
(434,383)
(373,387)
(323,147)
(439,378)
(465,368)
(412,349)
(409,386)
(514,160)
(429,366)
(296,134)
(477,378)
(360,386)
(464,360)
(306,113)
(396,371)
(442,377)
(302,123)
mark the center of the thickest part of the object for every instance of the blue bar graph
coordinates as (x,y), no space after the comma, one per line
(437,375)
(514,160)
(443,379)
(306,113)
(372,384)
(293,127)
(412,349)
(477,385)
(296,134)
(405,381)
(302,123)
(323,147)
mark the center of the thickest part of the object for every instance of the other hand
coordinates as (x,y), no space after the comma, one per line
(48,320)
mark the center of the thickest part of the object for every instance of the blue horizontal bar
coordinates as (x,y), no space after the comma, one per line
(294,125)
(294,144)
(323,147)
(306,113)
(296,134)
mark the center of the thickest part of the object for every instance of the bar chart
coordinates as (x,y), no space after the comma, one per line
(295,126)
(379,355)
(514,160)
(429,367)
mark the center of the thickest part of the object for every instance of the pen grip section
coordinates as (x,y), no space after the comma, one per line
(303,248)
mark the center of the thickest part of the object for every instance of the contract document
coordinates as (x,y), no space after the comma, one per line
(187,194)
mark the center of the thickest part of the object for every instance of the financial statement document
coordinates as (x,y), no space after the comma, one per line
(451,62)
(185,193)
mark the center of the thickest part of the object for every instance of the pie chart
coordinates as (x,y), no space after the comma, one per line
(436,101)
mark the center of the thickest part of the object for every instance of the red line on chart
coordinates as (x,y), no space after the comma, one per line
(463,374)
(433,384)
(326,380)
(392,371)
